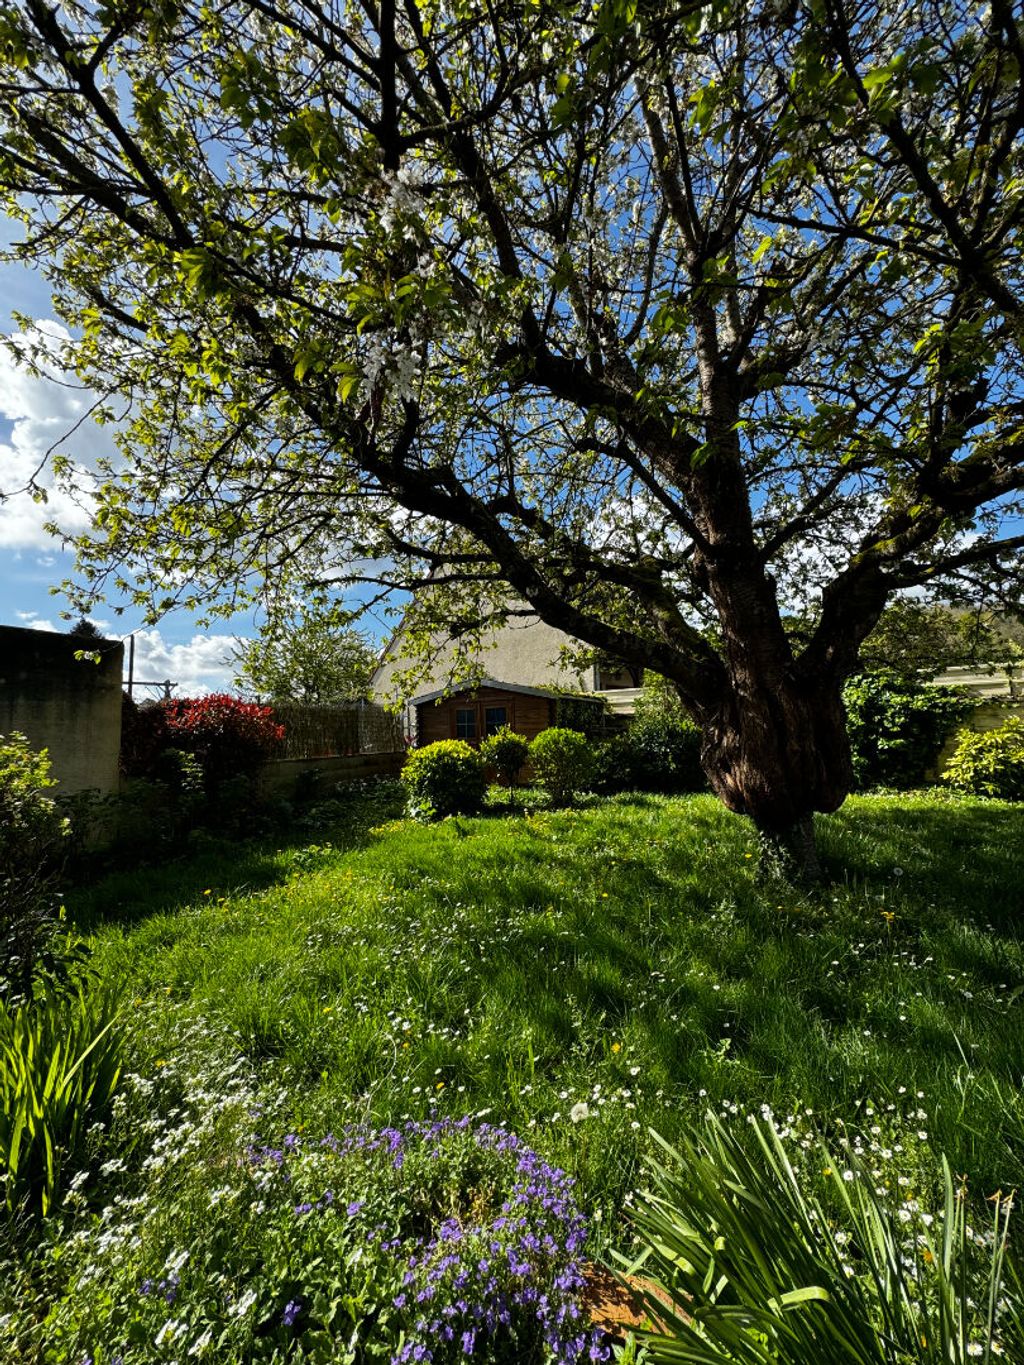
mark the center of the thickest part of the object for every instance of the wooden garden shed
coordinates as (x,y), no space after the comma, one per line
(474,714)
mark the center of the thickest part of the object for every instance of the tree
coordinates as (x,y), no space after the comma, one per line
(307,656)
(920,639)
(646,319)
(85,629)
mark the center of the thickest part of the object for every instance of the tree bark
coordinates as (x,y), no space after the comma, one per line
(777,751)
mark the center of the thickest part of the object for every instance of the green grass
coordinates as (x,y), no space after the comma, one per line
(624,955)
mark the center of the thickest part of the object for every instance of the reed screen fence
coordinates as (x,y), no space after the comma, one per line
(336,731)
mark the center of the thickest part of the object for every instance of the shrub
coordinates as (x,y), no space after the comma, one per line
(446,778)
(815,1266)
(33,839)
(563,763)
(659,702)
(507,752)
(654,755)
(92,818)
(438,1241)
(182,775)
(580,711)
(229,737)
(990,763)
(59,1068)
(897,728)
(144,736)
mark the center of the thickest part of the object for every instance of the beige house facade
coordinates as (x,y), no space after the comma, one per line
(522,664)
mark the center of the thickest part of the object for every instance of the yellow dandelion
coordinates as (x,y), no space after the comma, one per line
(616,1047)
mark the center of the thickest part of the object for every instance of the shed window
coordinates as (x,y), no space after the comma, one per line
(494,718)
(465,722)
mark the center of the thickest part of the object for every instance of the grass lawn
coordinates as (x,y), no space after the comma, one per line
(622,956)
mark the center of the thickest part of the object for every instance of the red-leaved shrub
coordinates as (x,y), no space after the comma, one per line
(230,738)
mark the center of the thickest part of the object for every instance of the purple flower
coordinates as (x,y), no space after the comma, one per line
(468,1280)
(292,1309)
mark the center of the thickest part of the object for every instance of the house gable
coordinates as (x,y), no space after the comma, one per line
(525,649)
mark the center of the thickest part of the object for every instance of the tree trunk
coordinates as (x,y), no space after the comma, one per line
(778,754)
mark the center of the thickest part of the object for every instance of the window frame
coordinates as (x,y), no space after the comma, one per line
(472,713)
(486,729)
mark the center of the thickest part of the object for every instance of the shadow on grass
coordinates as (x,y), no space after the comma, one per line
(159,884)
(966,857)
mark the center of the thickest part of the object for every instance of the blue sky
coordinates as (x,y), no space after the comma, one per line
(33,414)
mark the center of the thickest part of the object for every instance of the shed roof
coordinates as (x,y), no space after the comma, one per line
(489,682)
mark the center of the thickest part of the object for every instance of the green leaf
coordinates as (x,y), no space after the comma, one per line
(765,244)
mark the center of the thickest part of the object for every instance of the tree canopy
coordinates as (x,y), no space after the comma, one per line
(922,639)
(306,655)
(642,317)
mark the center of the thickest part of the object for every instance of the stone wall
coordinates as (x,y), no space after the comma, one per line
(70,706)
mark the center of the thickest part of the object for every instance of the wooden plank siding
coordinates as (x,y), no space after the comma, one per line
(527,715)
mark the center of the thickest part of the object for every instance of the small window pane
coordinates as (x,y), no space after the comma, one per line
(494,718)
(465,723)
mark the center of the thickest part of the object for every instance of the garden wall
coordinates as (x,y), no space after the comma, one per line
(70,706)
(280,774)
(988,716)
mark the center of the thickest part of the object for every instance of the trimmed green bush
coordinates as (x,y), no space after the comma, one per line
(563,763)
(990,763)
(897,728)
(507,752)
(446,778)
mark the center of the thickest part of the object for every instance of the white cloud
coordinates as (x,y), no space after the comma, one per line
(33,621)
(43,411)
(195,667)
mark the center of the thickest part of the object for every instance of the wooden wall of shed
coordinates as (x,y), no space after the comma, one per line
(528,715)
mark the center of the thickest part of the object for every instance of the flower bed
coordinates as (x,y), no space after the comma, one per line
(437,1241)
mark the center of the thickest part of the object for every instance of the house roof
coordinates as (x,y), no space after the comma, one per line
(486,682)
